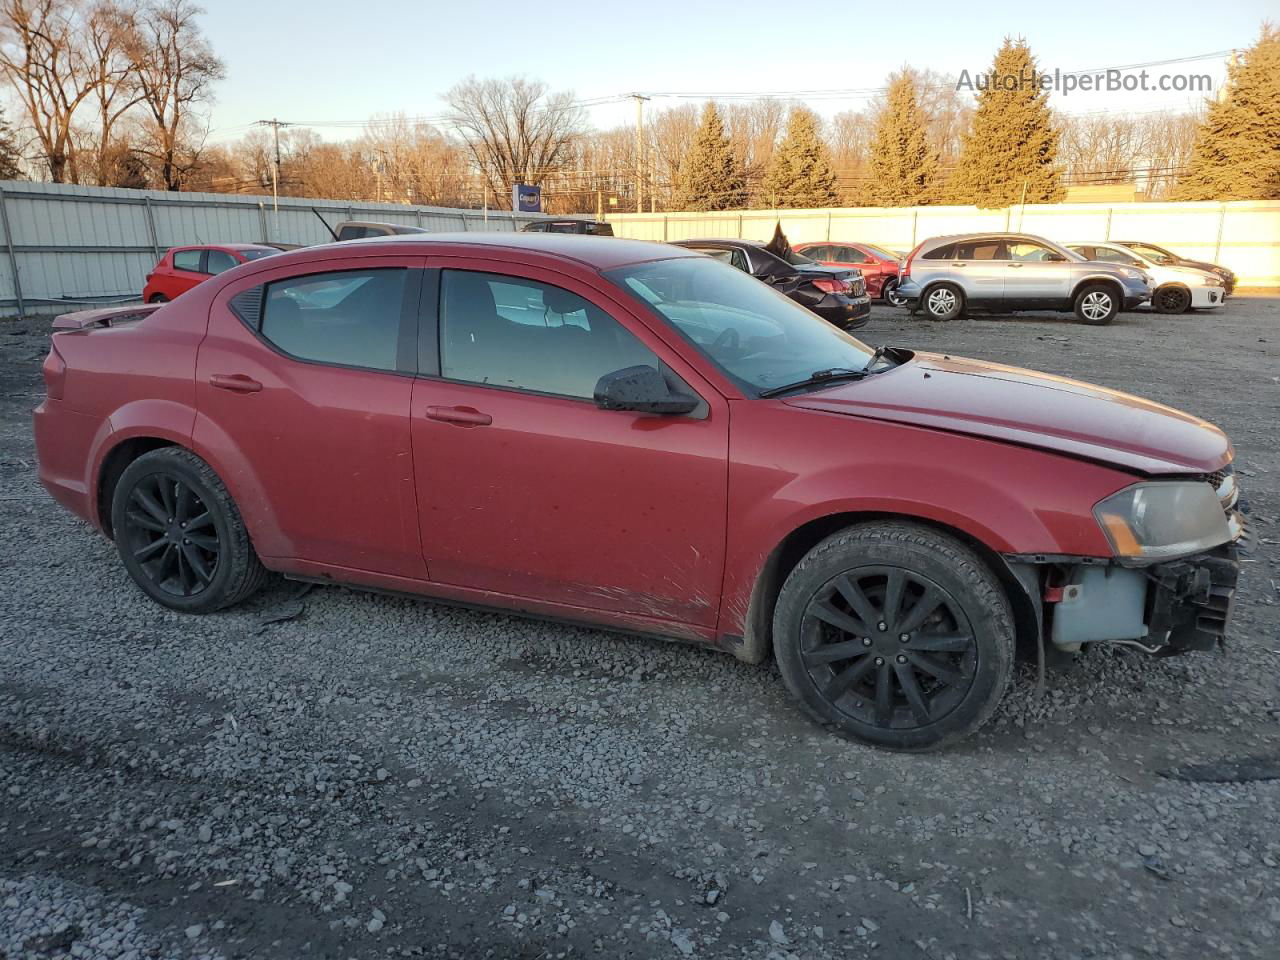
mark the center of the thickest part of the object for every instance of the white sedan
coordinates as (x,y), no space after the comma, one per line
(1177,289)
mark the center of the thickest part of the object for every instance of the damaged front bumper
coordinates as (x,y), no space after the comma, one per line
(1161,608)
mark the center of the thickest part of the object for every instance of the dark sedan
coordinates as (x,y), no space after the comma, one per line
(1167,258)
(836,294)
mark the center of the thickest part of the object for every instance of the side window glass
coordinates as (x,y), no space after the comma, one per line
(219,261)
(851,255)
(187,260)
(1027,252)
(739,260)
(978,250)
(517,333)
(348,317)
(352,233)
(817,253)
(944,252)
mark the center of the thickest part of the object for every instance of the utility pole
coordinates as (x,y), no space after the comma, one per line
(275,126)
(639,99)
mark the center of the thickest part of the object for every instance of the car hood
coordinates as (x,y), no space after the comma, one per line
(1033,409)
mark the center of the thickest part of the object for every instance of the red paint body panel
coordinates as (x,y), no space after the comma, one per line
(557,508)
(876,269)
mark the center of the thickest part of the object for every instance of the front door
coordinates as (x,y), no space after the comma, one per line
(527,489)
(1032,278)
(303,386)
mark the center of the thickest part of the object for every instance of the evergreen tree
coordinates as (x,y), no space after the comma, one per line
(1237,152)
(10,156)
(800,173)
(904,167)
(1012,146)
(710,178)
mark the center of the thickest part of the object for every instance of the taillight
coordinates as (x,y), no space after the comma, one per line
(55,373)
(831,285)
(904,269)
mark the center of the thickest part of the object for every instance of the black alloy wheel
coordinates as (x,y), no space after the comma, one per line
(172,535)
(889,647)
(180,535)
(1172,299)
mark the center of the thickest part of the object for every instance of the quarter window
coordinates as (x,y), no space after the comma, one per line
(187,260)
(348,317)
(525,335)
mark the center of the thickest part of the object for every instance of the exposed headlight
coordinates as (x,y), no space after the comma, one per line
(1163,519)
(1131,272)
(1212,282)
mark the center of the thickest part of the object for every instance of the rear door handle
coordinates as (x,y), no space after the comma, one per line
(1015,265)
(462,416)
(235,382)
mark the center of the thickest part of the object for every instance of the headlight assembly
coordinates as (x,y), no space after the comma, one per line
(1162,519)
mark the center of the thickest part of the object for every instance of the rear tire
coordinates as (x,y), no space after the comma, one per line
(180,535)
(158,298)
(944,301)
(1097,304)
(1171,299)
(842,614)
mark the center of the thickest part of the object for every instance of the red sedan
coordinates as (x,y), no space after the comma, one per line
(879,266)
(635,436)
(182,268)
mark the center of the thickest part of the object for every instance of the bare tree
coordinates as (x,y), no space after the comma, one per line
(41,56)
(108,30)
(416,163)
(849,138)
(176,70)
(516,131)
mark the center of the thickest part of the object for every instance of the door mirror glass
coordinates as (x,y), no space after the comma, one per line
(641,389)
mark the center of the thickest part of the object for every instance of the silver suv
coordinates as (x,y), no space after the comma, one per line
(944,276)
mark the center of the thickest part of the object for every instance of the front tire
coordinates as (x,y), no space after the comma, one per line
(943,302)
(158,298)
(1097,304)
(1172,299)
(180,535)
(895,634)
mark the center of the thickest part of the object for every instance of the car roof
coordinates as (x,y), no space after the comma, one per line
(602,253)
(724,241)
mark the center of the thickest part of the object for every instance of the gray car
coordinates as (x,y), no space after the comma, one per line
(944,276)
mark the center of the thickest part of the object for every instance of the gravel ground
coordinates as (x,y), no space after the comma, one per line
(381,777)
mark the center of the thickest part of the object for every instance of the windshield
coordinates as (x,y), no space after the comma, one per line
(1152,252)
(759,338)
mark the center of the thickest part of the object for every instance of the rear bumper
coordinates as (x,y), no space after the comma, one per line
(63,440)
(847,313)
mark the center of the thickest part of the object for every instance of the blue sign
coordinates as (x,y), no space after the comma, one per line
(526,198)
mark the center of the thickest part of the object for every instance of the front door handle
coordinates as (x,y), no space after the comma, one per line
(961,264)
(462,416)
(235,382)
(1015,265)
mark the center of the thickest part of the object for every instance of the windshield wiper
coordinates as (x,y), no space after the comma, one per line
(818,376)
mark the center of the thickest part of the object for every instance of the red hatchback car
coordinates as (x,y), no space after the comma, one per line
(879,266)
(635,436)
(182,268)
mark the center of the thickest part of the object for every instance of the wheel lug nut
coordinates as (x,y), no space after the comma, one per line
(879,661)
(183,525)
(901,658)
(882,626)
(866,641)
(185,540)
(904,637)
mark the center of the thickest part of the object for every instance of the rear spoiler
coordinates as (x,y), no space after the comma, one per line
(103,316)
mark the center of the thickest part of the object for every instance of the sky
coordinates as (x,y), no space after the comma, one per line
(344,61)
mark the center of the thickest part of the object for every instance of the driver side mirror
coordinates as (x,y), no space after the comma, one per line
(641,389)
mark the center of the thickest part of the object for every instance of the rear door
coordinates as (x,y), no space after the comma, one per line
(976,265)
(303,385)
(526,488)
